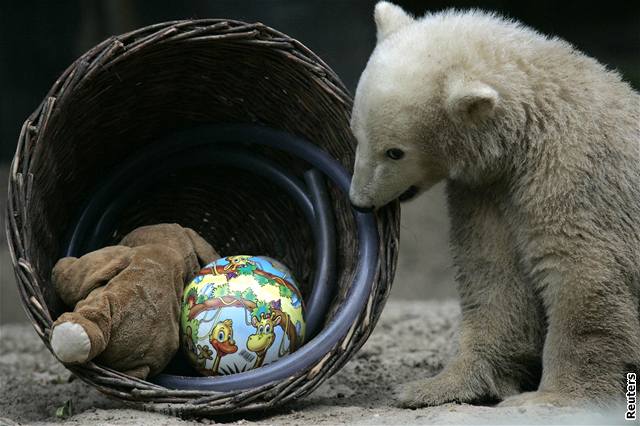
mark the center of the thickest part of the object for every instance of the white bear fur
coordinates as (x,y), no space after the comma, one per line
(540,147)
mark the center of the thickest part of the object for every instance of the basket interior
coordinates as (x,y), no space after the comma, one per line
(136,101)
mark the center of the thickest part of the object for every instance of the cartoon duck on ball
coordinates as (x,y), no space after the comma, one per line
(221,338)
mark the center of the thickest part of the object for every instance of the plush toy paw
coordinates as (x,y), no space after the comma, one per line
(70,342)
(117,291)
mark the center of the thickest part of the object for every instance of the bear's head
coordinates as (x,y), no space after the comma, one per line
(424,111)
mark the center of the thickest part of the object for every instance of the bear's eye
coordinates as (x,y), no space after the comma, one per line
(395,153)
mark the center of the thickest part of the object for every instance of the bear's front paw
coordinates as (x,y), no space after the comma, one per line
(439,390)
(556,399)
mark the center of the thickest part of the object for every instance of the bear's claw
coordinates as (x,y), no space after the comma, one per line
(437,391)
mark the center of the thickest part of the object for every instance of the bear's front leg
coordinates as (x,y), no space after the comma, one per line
(502,325)
(593,337)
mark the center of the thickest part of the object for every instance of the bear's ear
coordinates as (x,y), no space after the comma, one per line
(389,19)
(471,101)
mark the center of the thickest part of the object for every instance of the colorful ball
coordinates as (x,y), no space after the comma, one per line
(240,313)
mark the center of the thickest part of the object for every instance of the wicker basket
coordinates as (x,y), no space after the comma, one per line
(125,94)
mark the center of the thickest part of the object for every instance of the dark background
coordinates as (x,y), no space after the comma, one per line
(39,39)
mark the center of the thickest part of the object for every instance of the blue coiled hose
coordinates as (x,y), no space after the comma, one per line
(219,144)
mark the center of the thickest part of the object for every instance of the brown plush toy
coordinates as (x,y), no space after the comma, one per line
(127,299)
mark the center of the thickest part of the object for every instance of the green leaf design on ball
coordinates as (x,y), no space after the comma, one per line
(262,308)
(246,269)
(221,290)
(248,294)
(192,292)
(262,280)
(285,292)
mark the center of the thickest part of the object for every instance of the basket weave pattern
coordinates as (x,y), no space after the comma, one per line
(124,94)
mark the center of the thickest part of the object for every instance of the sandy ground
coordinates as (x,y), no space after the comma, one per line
(415,337)
(412,339)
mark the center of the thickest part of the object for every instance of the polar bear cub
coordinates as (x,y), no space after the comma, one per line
(540,148)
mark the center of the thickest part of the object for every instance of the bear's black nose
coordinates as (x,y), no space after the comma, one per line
(363,209)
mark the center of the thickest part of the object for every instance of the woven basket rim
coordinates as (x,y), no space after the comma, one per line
(140,393)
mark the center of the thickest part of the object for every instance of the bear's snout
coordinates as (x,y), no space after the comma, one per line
(359,201)
(409,193)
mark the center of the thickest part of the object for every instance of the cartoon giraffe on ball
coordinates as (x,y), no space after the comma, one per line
(263,338)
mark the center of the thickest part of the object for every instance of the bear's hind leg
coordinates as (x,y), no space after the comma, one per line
(502,325)
(593,337)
